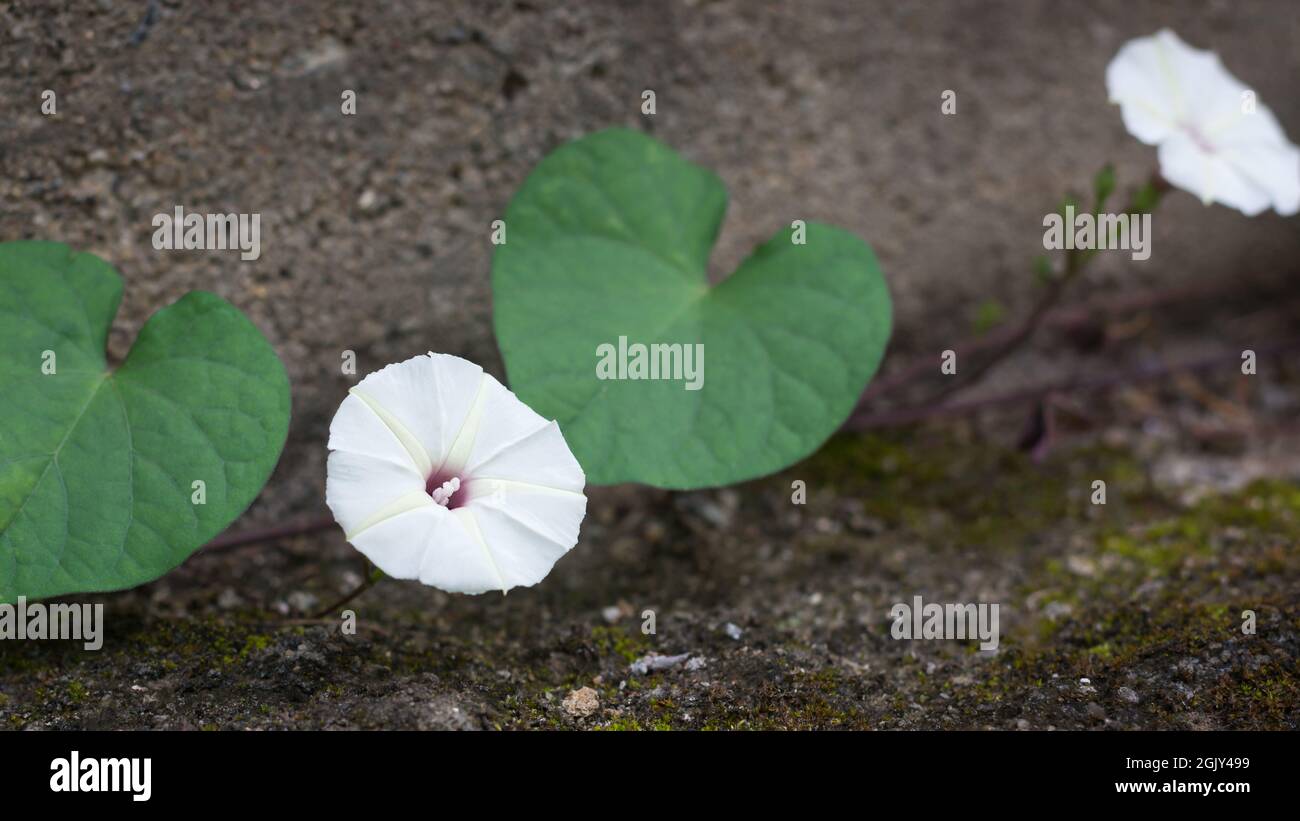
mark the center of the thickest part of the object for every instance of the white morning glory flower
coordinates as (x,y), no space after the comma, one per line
(1214,140)
(439,473)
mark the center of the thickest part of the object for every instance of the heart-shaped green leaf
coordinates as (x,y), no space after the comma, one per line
(99,467)
(609,237)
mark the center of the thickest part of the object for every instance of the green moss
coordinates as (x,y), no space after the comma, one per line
(953,492)
(1267,694)
(1102,650)
(622,724)
(1155,555)
(254,644)
(1257,525)
(619,641)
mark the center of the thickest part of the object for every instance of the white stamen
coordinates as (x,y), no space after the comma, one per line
(443,494)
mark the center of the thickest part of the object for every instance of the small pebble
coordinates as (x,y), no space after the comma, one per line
(303,601)
(654,662)
(581,703)
(229,599)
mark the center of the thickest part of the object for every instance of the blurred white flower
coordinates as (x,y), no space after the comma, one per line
(1214,139)
(439,473)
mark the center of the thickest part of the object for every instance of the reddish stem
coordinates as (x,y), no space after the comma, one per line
(1109,381)
(270,534)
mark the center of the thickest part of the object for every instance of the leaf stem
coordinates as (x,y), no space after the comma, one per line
(1143,199)
(906,416)
(368,580)
(270,534)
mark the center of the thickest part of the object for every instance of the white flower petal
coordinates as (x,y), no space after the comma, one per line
(359,486)
(540,458)
(432,545)
(1206,90)
(1184,100)
(397,545)
(508,420)
(424,401)
(1210,177)
(555,514)
(1140,81)
(356,429)
(1241,130)
(519,504)
(528,529)
(457,559)
(1275,168)
(519,444)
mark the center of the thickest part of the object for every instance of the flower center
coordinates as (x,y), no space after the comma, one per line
(443,493)
(1198,138)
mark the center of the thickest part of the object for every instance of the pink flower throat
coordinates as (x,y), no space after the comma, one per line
(445,490)
(1198,138)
